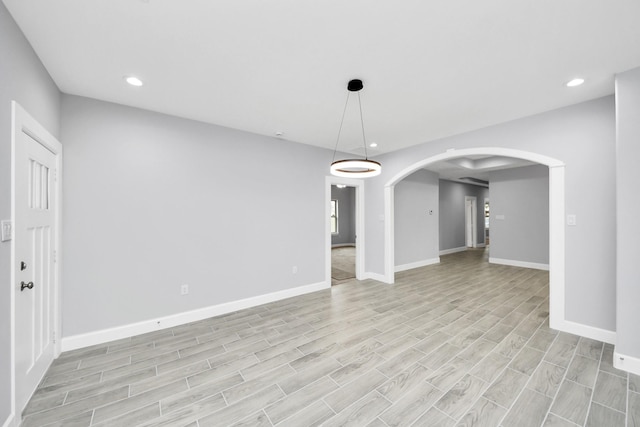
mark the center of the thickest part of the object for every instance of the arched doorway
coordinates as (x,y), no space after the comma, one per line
(556,219)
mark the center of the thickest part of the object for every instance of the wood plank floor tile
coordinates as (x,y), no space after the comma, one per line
(546,379)
(483,414)
(572,402)
(360,413)
(361,353)
(600,416)
(529,410)
(611,390)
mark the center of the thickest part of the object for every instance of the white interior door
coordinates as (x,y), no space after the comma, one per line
(35,244)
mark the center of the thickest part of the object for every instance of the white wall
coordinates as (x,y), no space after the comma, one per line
(23,79)
(628,206)
(416,231)
(452,213)
(154,201)
(521,197)
(583,137)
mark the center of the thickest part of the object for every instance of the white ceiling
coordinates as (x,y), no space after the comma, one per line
(430,68)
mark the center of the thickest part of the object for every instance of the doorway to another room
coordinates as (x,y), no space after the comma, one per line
(345,237)
(343,233)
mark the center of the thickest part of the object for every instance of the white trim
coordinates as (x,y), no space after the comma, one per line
(588,331)
(343,245)
(125,331)
(360,235)
(453,250)
(556,218)
(11,421)
(473,220)
(516,263)
(626,363)
(556,248)
(22,121)
(389,234)
(417,264)
(375,276)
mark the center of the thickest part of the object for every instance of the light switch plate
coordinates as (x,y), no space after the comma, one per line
(7,230)
(571,220)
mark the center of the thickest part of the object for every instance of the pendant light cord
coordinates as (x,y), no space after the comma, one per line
(364,139)
(341,122)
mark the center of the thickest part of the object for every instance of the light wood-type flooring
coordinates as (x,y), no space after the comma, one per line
(460,343)
(343,264)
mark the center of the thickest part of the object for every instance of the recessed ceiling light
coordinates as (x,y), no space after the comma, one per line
(575,82)
(373,145)
(133,81)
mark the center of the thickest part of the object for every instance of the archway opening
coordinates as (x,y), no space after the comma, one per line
(556,218)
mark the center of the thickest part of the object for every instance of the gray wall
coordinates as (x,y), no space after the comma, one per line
(23,79)
(452,213)
(628,206)
(583,137)
(154,201)
(346,198)
(521,195)
(416,232)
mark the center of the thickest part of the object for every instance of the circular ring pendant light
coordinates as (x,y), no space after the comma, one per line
(354,168)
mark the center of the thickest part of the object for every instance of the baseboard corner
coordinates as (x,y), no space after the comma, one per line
(418,264)
(516,263)
(10,421)
(626,363)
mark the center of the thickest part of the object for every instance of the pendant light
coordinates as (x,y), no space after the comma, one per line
(354,168)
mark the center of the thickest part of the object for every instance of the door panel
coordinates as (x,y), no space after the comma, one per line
(35,219)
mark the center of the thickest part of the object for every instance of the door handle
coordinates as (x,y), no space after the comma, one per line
(26,285)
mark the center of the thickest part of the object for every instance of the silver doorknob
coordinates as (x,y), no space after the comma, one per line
(26,285)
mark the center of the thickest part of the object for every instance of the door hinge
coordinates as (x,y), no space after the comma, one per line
(55,175)
(55,256)
(53,335)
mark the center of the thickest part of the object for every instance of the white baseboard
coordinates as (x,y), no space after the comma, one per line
(343,245)
(586,331)
(105,335)
(481,245)
(417,264)
(453,250)
(374,276)
(626,363)
(515,263)
(10,422)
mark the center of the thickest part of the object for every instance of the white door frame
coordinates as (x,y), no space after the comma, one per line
(471,222)
(360,238)
(21,121)
(557,318)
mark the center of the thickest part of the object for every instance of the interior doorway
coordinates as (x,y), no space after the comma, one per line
(343,233)
(345,230)
(556,219)
(487,221)
(470,221)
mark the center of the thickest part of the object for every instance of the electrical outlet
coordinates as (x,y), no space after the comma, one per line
(184,289)
(294,269)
